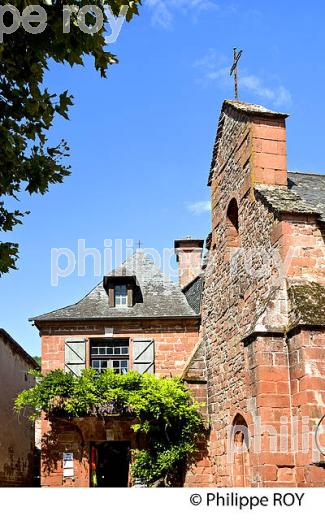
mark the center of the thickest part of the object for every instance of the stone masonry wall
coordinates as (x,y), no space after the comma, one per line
(251,369)
(302,248)
(240,287)
(16,431)
(307,381)
(174,342)
(76,437)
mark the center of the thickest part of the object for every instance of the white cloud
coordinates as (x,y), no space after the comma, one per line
(279,95)
(162,11)
(199,207)
(212,68)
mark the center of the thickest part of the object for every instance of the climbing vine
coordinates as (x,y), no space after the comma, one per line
(161,409)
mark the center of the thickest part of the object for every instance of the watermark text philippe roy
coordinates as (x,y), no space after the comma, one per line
(34,20)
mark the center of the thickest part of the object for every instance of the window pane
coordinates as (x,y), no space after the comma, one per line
(120,295)
(108,352)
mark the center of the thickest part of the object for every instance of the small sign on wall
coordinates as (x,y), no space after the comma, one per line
(109,435)
(68,469)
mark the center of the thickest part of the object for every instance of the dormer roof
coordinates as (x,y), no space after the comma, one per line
(162,298)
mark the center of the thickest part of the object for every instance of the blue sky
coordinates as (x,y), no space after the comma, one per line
(141,140)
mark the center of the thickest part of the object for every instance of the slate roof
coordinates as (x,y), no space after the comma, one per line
(305,194)
(193,292)
(311,188)
(161,297)
(251,108)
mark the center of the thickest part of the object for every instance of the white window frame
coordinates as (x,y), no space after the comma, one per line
(120,294)
(114,354)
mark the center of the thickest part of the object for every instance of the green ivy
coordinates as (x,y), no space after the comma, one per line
(162,409)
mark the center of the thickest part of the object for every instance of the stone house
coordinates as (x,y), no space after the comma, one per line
(245,329)
(17,433)
(135,319)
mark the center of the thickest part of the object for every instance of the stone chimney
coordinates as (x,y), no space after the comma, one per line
(189,256)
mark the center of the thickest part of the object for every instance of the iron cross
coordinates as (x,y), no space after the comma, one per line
(233,70)
(139,244)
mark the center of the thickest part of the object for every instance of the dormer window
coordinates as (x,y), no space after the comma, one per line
(122,290)
(120,296)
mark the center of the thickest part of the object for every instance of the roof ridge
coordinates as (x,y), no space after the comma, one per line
(131,261)
(14,345)
(252,108)
(291,172)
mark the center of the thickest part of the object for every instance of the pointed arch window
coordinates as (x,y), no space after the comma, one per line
(240,447)
(232,225)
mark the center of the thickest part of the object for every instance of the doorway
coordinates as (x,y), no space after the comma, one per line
(110,464)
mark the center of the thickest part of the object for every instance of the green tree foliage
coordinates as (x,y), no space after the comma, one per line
(161,410)
(38,360)
(28,109)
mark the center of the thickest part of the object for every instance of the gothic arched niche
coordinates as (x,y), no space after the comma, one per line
(240,447)
(232,224)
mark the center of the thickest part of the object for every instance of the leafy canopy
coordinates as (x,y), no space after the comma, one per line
(28,109)
(38,360)
(162,410)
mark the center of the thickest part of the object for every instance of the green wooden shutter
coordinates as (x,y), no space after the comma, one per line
(75,355)
(144,355)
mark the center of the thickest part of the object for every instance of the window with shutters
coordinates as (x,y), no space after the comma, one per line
(75,355)
(122,291)
(110,353)
(144,355)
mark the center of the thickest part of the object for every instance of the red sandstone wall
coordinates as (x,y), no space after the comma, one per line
(245,291)
(173,341)
(199,472)
(307,381)
(173,344)
(269,154)
(57,439)
(271,458)
(237,291)
(302,248)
